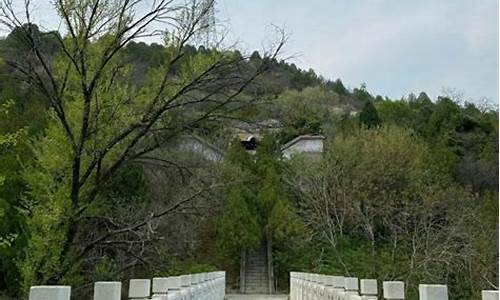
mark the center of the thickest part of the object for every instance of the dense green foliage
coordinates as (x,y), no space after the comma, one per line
(256,205)
(382,210)
(406,189)
(256,209)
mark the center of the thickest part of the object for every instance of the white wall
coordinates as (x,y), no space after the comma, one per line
(304,146)
(191,144)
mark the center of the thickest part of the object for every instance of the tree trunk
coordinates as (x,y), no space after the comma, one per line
(242,269)
(270,272)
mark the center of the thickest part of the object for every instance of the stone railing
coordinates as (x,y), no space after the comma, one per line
(308,286)
(201,286)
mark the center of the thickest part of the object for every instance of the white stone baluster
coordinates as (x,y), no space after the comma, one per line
(192,288)
(489,295)
(298,287)
(394,290)
(303,284)
(47,292)
(328,282)
(369,290)
(320,286)
(305,290)
(222,280)
(292,286)
(330,287)
(139,289)
(433,292)
(351,287)
(174,288)
(204,286)
(310,286)
(198,288)
(316,286)
(218,285)
(107,290)
(337,287)
(211,286)
(160,288)
(185,287)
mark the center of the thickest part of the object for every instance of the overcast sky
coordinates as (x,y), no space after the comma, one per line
(394,46)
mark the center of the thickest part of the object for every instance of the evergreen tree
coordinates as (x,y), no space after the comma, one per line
(339,87)
(239,226)
(369,116)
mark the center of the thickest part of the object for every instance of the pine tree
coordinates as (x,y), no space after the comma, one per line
(369,116)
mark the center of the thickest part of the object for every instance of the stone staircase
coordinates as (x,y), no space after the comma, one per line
(256,275)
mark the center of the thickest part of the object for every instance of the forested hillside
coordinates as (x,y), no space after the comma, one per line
(93,188)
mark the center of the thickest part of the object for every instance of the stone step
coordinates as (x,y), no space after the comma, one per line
(254,280)
(256,259)
(257,290)
(257,272)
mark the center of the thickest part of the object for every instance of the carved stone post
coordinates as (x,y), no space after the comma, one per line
(394,290)
(369,290)
(107,290)
(432,292)
(489,295)
(139,289)
(46,292)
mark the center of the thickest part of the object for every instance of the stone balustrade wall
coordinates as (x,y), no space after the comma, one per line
(202,286)
(309,286)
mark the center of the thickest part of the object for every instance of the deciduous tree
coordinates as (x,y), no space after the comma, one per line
(100,120)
